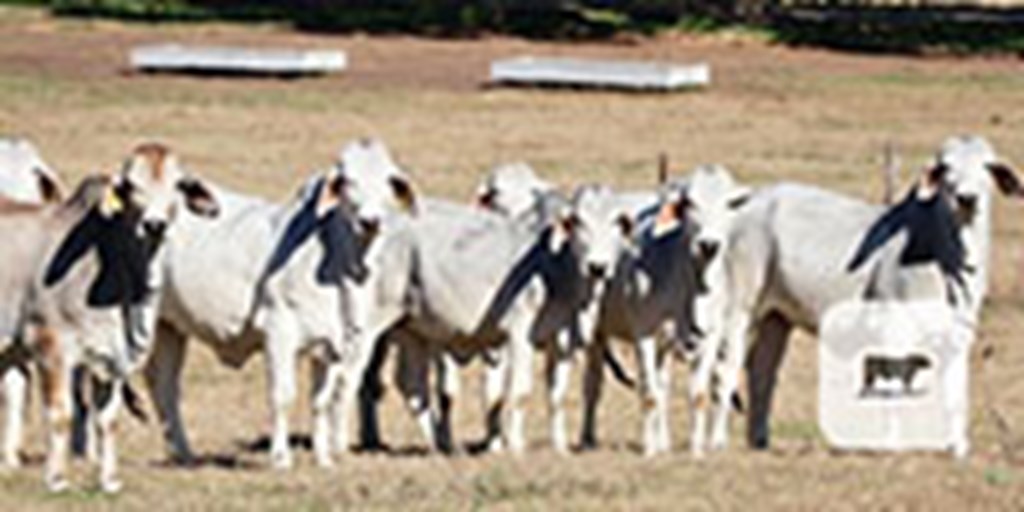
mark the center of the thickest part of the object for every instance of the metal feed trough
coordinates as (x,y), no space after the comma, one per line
(232,60)
(599,74)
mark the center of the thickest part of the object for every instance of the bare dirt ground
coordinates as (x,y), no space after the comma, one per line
(774,113)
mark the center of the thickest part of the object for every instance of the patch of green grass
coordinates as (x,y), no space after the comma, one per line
(797,430)
(998,477)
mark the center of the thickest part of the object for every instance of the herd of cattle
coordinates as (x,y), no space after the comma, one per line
(118,275)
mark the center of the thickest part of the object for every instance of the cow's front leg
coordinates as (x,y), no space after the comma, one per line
(107,397)
(651,396)
(700,394)
(325,384)
(414,383)
(520,384)
(352,370)
(559,366)
(55,380)
(15,390)
(728,373)
(281,359)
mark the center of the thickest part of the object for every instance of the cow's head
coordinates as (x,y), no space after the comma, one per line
(511,189)
(967,168)
(599,229)
(368,184)
(151,188)
(24,176)
(343,208)
(708,200)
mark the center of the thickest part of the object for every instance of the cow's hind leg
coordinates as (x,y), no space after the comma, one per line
(83,426)
(447,384)
(593,382)
(163,380)
(15,392)
(414,359)
(495,377)
(762,373)
(370,393)
(351,372)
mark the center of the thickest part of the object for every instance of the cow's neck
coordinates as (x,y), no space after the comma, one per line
(976,238)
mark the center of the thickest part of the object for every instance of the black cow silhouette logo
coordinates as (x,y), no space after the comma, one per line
(889,368)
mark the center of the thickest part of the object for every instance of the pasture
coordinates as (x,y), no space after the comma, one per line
(773,113)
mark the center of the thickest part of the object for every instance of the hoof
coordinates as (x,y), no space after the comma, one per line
(111,486)
(496,445)
(57,484)
(281,462)
(759,442)
(325,462)
(561,448)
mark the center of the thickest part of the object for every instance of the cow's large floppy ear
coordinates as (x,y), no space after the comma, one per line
(486,197)
(404,193)
(936,174)
(738,198)
(671,213)
(198,197)
(1006,179)
(50,188)
(625,223)
(82,237)
(566,223)
(329,193)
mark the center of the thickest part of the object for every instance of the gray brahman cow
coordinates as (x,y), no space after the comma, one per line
(255,281)
(81,283)
(481,283)
(24,178)
(794,251)
(658,287)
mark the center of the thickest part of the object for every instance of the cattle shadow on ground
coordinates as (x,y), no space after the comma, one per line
(212,460)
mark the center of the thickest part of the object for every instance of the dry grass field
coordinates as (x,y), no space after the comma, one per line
(773,114)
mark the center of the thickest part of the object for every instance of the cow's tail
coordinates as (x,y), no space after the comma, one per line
(737,403)
(134,403)
(617,369)
(621,375)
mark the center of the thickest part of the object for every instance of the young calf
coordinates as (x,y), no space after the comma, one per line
(81,282)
